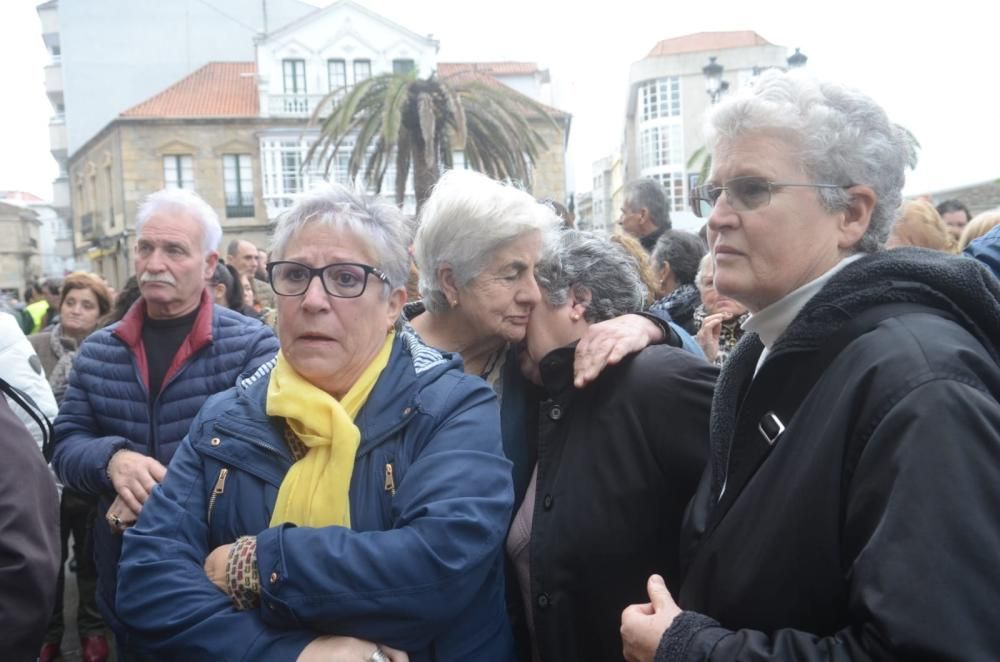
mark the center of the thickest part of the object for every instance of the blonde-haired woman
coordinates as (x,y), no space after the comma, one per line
(919,224)
(977,227)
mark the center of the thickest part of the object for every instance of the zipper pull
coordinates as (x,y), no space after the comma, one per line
(220,485)
(390,482)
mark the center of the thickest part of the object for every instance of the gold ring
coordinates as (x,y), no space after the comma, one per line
(115,519)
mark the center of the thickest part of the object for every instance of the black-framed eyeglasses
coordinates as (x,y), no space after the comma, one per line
(742,194)
(346,280)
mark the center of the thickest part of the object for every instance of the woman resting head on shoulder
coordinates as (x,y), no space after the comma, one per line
(476,249)
(617,461)
(354,485)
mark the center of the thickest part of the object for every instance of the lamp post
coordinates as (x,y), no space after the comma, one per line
(714,85)
(796,60)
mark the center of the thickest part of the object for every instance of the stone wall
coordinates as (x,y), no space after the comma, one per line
(550,167)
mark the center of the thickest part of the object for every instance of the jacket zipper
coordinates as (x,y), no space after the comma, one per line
(390,481)
(256,442)
(220,486)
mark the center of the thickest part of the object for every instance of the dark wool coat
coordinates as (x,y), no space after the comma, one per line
(618,462)
(870,529)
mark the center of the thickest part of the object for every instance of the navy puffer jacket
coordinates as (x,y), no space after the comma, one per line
(107,406)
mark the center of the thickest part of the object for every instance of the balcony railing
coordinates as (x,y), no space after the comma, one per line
(294,105)
(239,211)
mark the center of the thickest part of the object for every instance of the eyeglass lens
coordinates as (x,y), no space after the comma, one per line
(341,280)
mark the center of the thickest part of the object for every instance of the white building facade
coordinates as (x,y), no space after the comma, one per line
(667,103)
(301,64)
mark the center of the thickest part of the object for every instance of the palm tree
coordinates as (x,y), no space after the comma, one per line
(701,159)
(421,122)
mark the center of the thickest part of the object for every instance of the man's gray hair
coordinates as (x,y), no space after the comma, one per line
(382,226)
(844,138)
(586,263)
(682,250)
(466,220)
(180,201)
(649,194)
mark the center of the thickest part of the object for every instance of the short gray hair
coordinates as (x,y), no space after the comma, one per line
(180,201)
(683,251)
(845,138)
(466,220)
(577,261)
(382,226)
(649,194)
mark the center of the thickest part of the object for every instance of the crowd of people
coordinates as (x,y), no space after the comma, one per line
(482,434)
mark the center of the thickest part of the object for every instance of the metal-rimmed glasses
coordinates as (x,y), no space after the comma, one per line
(742,194)
(345,280)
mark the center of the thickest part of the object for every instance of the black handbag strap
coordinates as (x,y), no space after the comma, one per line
(27,403)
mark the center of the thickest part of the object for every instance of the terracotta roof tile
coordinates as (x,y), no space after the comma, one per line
(707,41)
(489,68)
(218,89)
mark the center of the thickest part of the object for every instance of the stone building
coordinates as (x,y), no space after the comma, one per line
(20,259)
(238,133)
(199,134)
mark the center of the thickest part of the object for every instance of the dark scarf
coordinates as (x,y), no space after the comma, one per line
(64,348)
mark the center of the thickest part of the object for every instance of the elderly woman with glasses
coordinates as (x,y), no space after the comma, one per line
(849,510)
(617,460)
(351,490)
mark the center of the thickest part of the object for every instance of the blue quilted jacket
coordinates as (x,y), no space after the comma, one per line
(107,406)
(420,569)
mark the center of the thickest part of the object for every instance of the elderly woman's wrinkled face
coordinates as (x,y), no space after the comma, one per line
(498,302)
(710,297)
(764,254)
(330,340)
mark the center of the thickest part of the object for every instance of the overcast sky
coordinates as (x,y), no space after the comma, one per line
(933,70)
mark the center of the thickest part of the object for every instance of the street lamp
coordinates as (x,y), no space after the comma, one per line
(714,84)
(796,60)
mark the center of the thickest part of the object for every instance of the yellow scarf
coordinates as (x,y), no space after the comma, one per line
(314,492)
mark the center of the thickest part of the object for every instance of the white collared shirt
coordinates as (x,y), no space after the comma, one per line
(771,322)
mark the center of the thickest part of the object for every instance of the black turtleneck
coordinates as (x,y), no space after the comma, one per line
(162,339)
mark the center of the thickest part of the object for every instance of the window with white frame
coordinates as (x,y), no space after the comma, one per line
(362,70)
(237,180)
(660,146)
(660,98)
(403,66)
(337,72)
(294,76)
(178,171)
(673,184)
(292,181)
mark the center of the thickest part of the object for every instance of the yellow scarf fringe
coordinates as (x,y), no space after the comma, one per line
(314,492)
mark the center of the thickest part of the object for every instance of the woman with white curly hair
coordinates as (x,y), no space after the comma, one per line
(849,509)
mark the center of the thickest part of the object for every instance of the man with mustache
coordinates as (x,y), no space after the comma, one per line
(136,385)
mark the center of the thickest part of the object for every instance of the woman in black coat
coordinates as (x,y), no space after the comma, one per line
(851,507)
(618,460)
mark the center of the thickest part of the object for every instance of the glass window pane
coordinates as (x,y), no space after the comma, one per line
(362,70)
